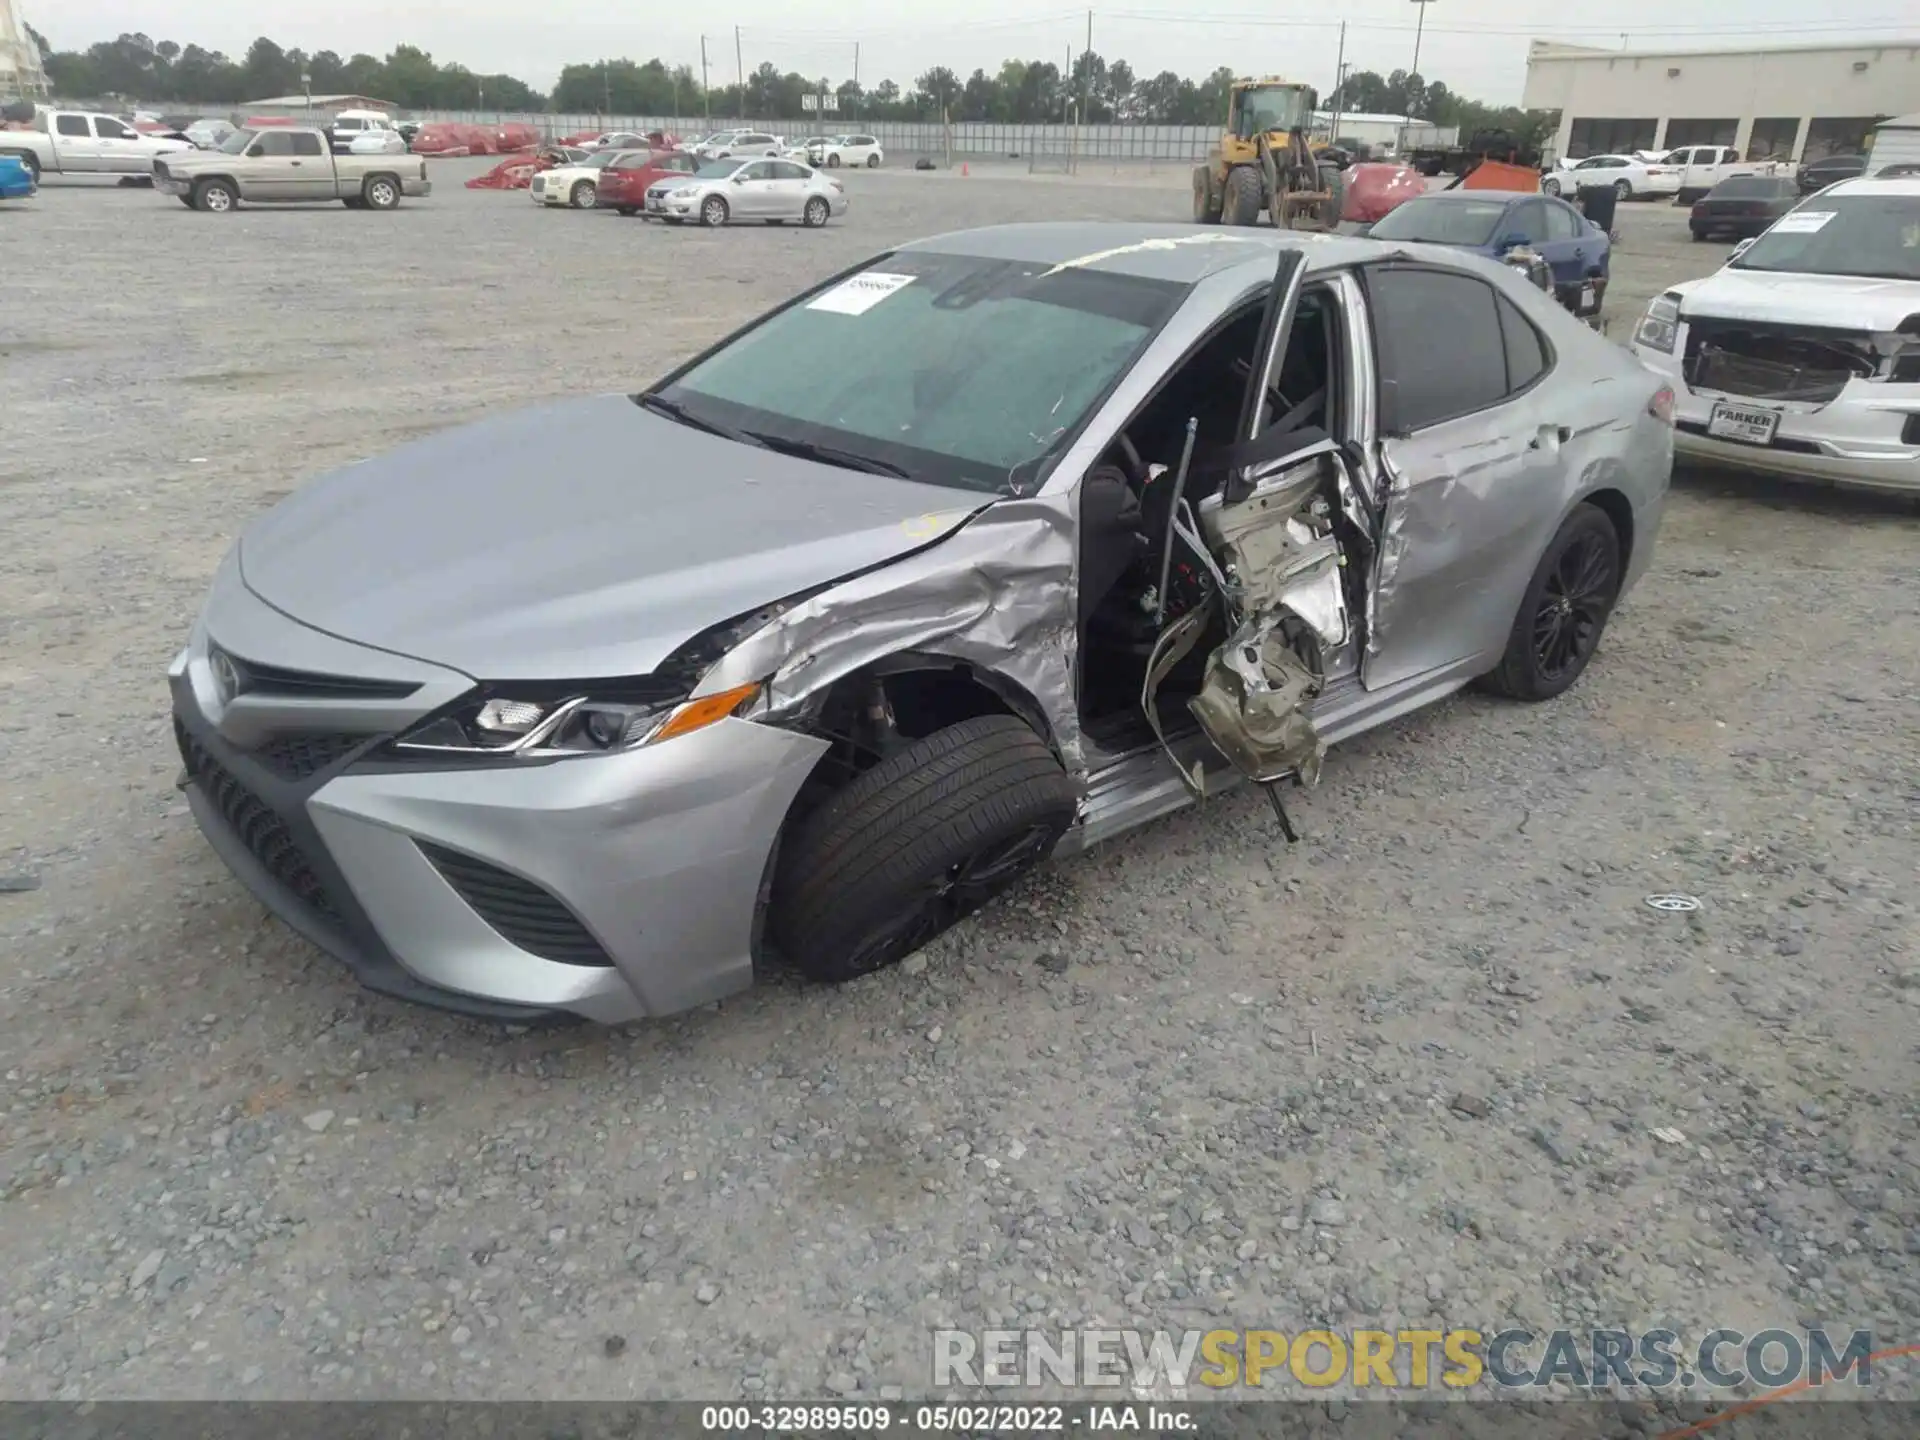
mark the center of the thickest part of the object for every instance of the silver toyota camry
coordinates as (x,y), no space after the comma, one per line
(723,192)
(595,706)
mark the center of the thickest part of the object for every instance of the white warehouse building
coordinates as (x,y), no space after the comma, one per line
(1797,102)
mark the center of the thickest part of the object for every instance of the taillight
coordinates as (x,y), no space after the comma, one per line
(1661,406)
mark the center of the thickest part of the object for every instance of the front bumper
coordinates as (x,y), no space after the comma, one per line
(1864,438)
(652,862)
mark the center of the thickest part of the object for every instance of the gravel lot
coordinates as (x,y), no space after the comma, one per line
(1410,1070)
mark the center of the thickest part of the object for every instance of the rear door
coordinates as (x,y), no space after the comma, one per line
(1471,449)
(1567,243)
(309,173)
(791,186)
(74,147)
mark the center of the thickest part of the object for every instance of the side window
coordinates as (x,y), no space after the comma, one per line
(1441,352)
(1526,352)
(274,143)
(109,129)
(761,171)
(1562,223)
(306,144)
(786,170)
(72,125)
(1528,220)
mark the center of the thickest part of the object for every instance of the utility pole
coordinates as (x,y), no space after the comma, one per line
(1419,27)
(856,80)
(1086,92)
(740,70)
(1339,80)
(706,90)
(606,91)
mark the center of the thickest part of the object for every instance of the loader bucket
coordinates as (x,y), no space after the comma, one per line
(1498,175)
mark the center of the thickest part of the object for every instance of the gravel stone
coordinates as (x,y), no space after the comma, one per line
(318,1121)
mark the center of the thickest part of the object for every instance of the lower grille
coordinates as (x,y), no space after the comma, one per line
(531,917)
(301,757)
(253,821)
(1774,362)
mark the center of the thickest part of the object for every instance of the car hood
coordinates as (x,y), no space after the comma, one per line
(1831,302)
(585,538)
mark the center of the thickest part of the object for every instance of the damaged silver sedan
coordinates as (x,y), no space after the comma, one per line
(998,546)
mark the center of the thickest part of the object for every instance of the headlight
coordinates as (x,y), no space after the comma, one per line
(681,192)
(550,728)
(1659,328)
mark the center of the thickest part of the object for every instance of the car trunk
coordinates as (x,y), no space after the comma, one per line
(1804,363)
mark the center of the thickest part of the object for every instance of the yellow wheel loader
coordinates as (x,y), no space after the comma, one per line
(1264,163)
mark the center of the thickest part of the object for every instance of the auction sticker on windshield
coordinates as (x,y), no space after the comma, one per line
(1801,222)
(859,293)
(1748,424)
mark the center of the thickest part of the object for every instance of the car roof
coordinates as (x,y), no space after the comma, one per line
(1459,195)
(1185,254)
(1899,186)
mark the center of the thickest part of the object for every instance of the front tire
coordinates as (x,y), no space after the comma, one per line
(714,213)
(216,197)
(1242,204)
(1549,186)
(815,214)
(1206,204)
(1623,188)
(917,843)
(1564,611)
(584,195)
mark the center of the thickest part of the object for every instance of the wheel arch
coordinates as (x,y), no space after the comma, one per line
(1619,511)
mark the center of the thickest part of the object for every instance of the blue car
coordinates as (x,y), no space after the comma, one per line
(1493,222)
(16,181)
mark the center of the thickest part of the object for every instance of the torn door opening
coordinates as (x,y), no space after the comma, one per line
(1286,606)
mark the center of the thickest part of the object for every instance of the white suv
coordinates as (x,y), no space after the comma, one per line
(730,144)
(849,150)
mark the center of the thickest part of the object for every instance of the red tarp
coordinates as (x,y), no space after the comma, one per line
(1372,190)
(439,137)
(514,173)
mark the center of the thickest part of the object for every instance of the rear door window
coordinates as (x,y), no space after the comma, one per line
(1562,222)
(274,143)
(72,125)
(1441,349)
(306,144)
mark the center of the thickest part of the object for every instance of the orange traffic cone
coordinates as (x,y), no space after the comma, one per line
(963,170)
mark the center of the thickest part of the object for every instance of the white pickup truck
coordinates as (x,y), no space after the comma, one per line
(1701,167)
(81,142)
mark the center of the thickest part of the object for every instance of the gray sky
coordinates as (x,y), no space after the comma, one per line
(1475,46)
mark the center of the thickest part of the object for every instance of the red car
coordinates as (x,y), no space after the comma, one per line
(623,184)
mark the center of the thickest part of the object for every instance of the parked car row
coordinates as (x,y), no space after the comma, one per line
(678,186)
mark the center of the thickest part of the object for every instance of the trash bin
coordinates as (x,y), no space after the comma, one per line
(1597,202)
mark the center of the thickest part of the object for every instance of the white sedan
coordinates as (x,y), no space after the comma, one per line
(575,185)
(721,192)
(841,150)
(1794,358)
(1629,177)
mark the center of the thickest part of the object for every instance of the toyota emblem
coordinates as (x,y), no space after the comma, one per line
(226,675)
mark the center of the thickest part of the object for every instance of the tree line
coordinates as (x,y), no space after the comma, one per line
(139,70)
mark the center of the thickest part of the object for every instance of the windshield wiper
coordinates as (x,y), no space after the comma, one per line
(674,410)
(827,454)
